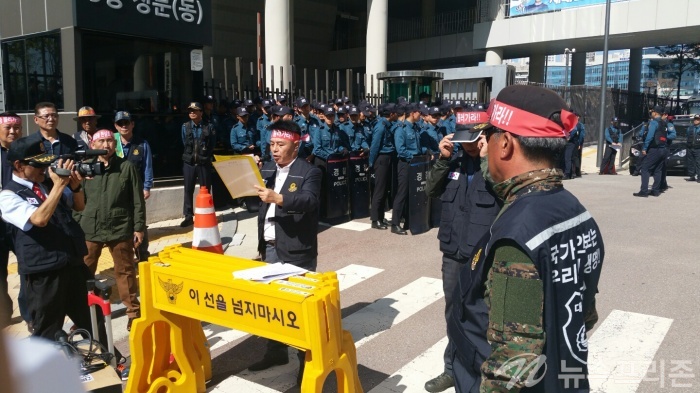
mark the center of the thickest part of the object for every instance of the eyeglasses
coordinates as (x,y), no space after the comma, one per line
(48,116)
(123,123)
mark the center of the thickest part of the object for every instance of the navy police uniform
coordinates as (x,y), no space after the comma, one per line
(693,152)
(381,154)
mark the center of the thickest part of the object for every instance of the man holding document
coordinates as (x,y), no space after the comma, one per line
(288,215)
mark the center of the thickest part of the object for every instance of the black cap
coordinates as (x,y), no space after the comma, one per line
(466,136)
(696,117)
(458,104)
(342,110)
(282,98)
(369,111)
(400,109)
(301,101)
(346,100)
(354,111)
(248,103)
(339,101)
(30,150)
(282,110)
(328,110)
(658,109)
(615,119)
(433,110)
(242,111)
(208,99)
(266,103)
(401,100)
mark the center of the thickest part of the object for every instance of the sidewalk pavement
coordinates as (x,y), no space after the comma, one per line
(238,229)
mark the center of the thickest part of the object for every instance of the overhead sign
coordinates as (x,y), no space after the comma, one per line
(526,7)
(187,21)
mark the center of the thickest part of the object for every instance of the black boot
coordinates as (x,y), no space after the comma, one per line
(442,382)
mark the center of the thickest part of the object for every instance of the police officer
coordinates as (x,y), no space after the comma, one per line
(328,139)
(654,152)
(381,157)
(199,139)
(138,152)
(573,145)
(358,141)
(578,155)
(344,123)
(208,113)
(670,137)
(241,135)
(431,133)
(306,120)
(527,294)
(692,157)
(407,142)
(261,125)
(469,206)
(613,143)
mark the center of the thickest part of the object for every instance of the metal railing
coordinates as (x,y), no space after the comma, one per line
(628,139)
(454,22)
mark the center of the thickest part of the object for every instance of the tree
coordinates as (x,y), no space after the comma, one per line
(684,58)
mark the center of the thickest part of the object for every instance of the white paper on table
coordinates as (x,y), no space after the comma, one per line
(270,272)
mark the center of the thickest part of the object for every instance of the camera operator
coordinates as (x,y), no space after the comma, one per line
(115,216)
(48,242)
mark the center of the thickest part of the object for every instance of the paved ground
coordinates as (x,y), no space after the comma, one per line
(391,293)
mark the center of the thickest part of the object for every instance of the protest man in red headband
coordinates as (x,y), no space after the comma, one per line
(288,215)
(528,291)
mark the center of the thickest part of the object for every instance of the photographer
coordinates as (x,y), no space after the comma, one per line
(49,244)
(115,216)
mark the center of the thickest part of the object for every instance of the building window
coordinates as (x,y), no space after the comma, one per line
(32,72)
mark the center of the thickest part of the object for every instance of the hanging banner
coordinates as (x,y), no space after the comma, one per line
(527,7)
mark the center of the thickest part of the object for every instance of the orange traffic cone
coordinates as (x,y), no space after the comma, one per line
(206,229)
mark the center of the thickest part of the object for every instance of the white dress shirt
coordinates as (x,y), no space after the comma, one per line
(281,177)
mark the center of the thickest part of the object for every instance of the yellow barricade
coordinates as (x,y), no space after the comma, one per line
(181,287)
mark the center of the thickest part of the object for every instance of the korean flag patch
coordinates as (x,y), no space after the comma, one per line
(453,176)
(33,201)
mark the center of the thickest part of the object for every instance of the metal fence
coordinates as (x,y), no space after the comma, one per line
(628,139)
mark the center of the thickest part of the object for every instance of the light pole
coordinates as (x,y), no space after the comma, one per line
(603,84)
(567,52)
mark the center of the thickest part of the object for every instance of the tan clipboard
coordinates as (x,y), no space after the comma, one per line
(239,174)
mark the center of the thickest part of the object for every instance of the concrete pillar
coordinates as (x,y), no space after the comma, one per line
(278,41)
(377,23)
(536,73)
(635,76)
(578,68)
(494,56)
(72,64)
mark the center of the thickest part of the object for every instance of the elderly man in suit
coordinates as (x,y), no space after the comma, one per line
(288,215)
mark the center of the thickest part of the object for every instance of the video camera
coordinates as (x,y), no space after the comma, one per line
(85,169)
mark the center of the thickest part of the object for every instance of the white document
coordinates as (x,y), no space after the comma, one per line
(270,272)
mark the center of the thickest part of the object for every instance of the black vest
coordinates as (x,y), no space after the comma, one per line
(468,210)
(41,249)
(614,134)
(136,152)
(694,136)
(197,150)
(660,136)
(564,242)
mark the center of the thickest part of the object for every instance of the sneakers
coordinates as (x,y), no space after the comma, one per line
(123,371)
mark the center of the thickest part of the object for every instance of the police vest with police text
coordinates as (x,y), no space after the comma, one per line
(42,249)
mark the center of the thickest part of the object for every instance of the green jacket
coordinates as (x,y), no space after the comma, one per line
(114,204)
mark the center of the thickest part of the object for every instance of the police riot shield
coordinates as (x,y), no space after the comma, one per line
(338,189)
(418,200)
(435,206)
(359,185)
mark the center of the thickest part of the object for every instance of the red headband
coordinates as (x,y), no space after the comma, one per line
(283,134)
(528,124)
(471,117)
(10,120)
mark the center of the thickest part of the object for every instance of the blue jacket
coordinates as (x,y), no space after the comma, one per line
(407,140)
(329,141)
(382,140)
(578,135)
(671,129)
(653,126)
(262,124)
(241,137)
(358,141)
(306,147)
(613,135)
(430,139)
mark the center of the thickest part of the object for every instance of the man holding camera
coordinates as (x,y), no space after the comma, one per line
(49,244)
(115,216)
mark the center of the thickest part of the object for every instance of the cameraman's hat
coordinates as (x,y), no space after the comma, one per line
(86,111)
(27,150)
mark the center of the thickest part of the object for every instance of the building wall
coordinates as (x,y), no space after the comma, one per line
(34,16)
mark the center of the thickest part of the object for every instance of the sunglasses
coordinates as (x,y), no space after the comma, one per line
(123,123)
